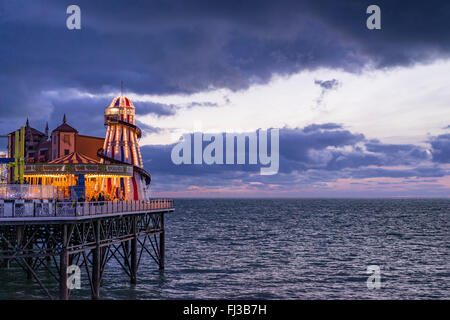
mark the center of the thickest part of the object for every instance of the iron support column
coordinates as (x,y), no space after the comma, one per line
(63,263)
(96,263)
(162,244)
(133,257)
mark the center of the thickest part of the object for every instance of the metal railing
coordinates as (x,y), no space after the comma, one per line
(40,209)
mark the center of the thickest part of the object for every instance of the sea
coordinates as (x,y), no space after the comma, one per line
(285,249)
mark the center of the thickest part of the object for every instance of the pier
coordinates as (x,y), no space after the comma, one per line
(46,224)
(60,237)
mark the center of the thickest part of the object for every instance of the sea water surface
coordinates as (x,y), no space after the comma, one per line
(285,249)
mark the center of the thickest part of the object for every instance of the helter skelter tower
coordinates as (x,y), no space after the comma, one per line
(121,146)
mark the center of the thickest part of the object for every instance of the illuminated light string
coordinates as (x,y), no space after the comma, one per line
(105,176)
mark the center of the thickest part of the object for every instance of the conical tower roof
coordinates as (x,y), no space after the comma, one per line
(121,102)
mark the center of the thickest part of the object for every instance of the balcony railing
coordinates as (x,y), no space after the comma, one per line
(43,208)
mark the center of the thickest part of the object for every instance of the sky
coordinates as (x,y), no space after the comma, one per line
(360,113)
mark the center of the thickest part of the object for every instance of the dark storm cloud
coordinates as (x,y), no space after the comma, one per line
(146,129)
(441,148)
(295,144)
(85,113)
(202,104)
(321,146)
(327,84)
(323,126)
(161,109)
(395,153)
(316,154)
(161,47)
(158,109)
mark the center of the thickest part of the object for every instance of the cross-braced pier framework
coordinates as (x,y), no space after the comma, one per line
(90,243)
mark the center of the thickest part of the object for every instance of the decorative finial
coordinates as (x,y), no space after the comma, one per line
(28,123)
(64,118)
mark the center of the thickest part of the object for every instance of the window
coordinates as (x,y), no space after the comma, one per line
(66,138)
(66,152)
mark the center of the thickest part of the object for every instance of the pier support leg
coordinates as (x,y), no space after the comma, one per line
(29,261)
(29,273)
(63,263)
(133,254)
(4,264)
(96,261)
(47,251)
(96,264)
(126,250)
(162,244)
(133,261)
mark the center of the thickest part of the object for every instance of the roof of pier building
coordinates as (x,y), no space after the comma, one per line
(74,158)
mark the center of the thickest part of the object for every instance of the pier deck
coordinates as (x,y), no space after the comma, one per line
(63,237)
